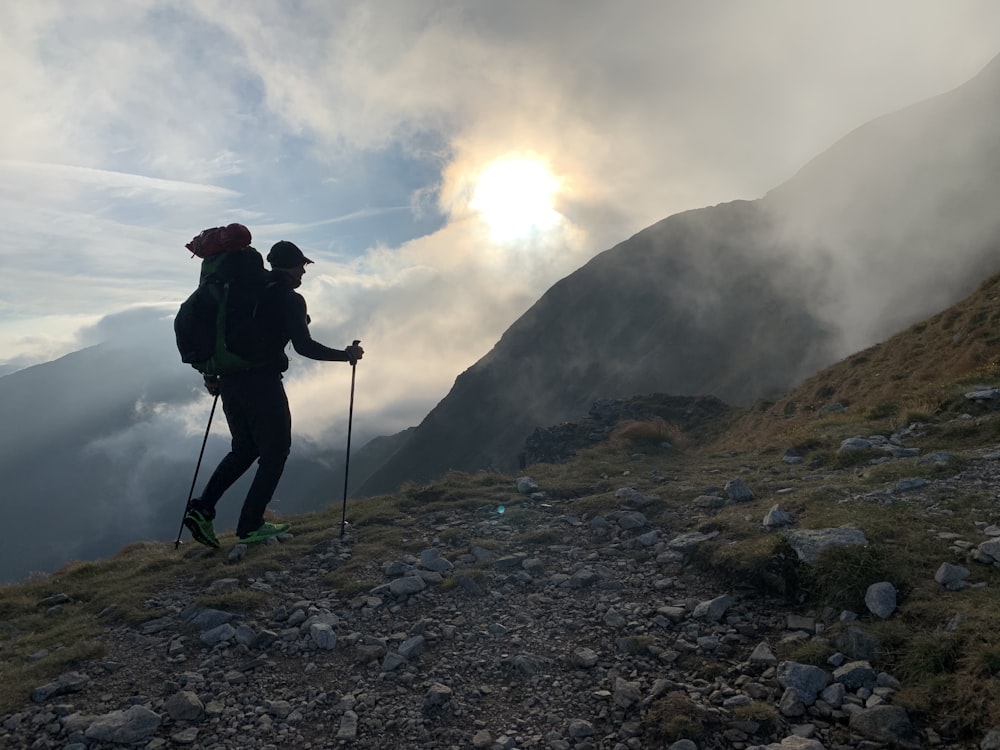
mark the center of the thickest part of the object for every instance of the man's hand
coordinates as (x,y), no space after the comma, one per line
(355,352)
(212,385)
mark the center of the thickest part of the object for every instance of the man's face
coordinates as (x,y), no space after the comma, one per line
(295,274)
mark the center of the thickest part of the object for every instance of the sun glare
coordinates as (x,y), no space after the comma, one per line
(514,197)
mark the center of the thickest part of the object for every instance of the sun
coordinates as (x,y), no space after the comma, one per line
(514,196)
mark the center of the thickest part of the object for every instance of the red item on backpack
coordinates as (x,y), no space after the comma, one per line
(217,240)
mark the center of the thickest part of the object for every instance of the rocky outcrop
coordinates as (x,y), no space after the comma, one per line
(560,443)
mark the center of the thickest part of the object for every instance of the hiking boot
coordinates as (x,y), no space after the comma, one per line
(265,532)
(201,528)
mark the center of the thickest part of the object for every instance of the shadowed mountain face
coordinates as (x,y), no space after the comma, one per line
(741,300)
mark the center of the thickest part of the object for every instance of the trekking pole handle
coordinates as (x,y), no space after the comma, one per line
(355,342)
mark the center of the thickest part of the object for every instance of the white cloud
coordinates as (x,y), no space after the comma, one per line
(157,119)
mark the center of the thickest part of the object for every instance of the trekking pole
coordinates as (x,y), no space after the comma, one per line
(347,459)
(194,479)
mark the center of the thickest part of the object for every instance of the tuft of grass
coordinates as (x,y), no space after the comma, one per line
(476,574)
(929,654)
(815,651)
(842,575)
(541,536)
(765,562)
(986,661)
(649,435)
(675,717)
(758,711)
(882,410)
(240,601)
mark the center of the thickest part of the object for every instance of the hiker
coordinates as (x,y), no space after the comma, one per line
(256,407)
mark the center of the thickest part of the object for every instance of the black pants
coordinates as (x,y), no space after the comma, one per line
(257,412)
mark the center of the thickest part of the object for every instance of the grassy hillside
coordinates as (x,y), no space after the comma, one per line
(919,373)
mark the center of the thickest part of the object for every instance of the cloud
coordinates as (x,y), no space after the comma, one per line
(358,129)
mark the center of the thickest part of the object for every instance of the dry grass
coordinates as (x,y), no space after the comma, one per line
(920,372)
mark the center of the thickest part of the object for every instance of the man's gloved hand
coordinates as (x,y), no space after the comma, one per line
(355,352)
(212,385)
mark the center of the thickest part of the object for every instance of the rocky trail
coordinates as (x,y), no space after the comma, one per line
(602,636)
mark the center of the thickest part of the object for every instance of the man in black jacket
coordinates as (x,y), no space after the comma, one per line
(256,407)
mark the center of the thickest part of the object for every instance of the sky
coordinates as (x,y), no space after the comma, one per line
(444,163)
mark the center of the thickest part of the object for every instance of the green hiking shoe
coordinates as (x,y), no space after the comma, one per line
(265,532)
(201,529)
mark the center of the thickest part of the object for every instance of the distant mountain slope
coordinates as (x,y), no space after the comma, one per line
(743,300)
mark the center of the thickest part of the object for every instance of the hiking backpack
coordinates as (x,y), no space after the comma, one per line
(216,328)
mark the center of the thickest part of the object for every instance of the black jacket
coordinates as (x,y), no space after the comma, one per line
(282,317)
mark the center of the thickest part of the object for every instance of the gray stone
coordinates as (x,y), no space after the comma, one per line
(881,599)
(633,497)
(854,444)
(323,635)
(776,517)
(833,694)
(184,706)
(857,644)
(217,635)
(809,543)
(437,695)
(690,540)
(805,679)
(69,682)
(469,585)
(411,646)
(791,704)
(714,609)
(528,665)
(204,618)
(131,726)
(626,693)
(185,736)
(988,552)
(583,578)
(991,741)
(348,730)
(407,585)
(649,538)
(909,484)
(763,654)
(614,620)
(855,674)
(280,709)
(584,657)
(737,491)
(526,485)
(263,640)
(952,577)
(431,559)
(392,661)
(631,520)
(886,724)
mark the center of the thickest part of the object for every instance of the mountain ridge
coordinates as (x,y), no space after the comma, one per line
(742,299)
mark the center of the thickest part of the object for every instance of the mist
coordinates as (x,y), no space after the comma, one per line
(99,449)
